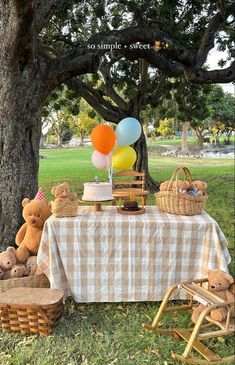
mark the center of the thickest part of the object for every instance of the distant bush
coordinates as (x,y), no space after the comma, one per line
(166,128)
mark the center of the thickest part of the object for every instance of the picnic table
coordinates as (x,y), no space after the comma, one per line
(108,257)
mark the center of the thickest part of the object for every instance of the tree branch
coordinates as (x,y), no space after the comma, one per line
(208,38)
(108,111)
(44,11)
(139,98)
(169,68)
(173,60)
(87,58)
(111,92)
(63,68)
(199,75)
(154,99)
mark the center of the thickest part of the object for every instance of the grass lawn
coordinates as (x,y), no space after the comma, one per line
(111,334)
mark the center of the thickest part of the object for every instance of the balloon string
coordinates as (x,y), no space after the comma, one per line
(109,168)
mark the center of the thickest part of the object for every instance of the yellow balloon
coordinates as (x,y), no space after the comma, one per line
(124,158)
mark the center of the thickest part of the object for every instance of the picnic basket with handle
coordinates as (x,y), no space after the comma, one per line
(36,281)
(176,202)
(31,310)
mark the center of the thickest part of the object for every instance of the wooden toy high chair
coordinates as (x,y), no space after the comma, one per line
(193,336)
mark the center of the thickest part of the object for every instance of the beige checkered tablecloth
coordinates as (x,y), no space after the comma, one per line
(109,257)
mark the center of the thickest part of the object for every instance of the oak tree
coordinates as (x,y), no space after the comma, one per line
(33,64)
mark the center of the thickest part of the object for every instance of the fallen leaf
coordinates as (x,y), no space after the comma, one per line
(155,351)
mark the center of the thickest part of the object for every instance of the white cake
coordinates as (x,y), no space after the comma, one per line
(97,191)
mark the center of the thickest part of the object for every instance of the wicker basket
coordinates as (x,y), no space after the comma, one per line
(64,208)
(177,203)
(31,310)
(36,281)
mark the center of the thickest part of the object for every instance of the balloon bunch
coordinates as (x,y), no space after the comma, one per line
(103,139)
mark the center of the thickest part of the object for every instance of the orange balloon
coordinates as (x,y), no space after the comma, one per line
(103,138)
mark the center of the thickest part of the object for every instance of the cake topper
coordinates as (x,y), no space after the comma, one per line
(97,179)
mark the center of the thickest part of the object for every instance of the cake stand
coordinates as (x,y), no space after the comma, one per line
(97,205)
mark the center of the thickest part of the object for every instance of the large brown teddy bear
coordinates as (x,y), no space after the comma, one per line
(28,238)
(7,261)
(219,283)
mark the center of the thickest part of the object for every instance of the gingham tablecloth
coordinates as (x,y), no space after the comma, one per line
(109,257)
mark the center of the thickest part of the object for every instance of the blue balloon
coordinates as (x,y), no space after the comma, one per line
(128,131)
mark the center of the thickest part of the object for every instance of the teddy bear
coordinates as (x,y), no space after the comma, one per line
(1,274)
(164,185)
(18,271)
(7,261)
(198,186)
(181,185)
(31,265)
(219,283)
(62,192)
(65,203)
(35,213)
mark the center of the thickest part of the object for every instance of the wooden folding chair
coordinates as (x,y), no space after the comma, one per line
(193,336)
(129,183)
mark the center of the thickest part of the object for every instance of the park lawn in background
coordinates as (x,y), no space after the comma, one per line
(112,334)
(176,141)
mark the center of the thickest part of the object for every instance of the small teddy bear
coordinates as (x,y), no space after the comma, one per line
(65,203)
(219,283)
(7,261)
(198,186)
(62,192)
(181,185)
(31,265)
(164,185)
(18,271)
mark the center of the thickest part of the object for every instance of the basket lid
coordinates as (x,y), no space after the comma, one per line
(28,296)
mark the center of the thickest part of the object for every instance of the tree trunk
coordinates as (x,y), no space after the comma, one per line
(42,141)
(58,135)
(59,140)
(228,135)
(200,138)
(81,139)
(20,115)
(20,130)
(142,162)
(184,143)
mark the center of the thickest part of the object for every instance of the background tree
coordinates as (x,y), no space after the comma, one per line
(44,43)
(59,121)
(166,127)
(222,113)
(60,106)
(191,107)
(83,123)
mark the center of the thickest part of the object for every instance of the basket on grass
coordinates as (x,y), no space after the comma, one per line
(64,208)
(177,203)
(31,310)
(36,281)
